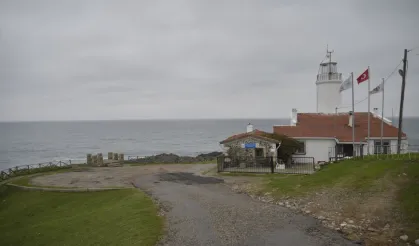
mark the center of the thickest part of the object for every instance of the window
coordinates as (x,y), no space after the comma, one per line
(302,149)
(385,148)
(258,152)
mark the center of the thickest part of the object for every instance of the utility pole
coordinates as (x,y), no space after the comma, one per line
(403,74)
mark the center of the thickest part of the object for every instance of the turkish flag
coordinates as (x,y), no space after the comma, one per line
(363,77)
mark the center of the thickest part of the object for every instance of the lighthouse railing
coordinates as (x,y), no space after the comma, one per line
(325,76)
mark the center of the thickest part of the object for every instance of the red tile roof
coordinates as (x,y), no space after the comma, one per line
(256,134)
(336,126)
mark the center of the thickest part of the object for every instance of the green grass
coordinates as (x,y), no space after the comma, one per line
(407,156)
(120,217)
(409,200)
(359,177)
(353,174)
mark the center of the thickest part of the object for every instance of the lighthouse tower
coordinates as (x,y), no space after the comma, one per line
(328,83)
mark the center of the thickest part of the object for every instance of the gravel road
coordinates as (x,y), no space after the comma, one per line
(204,211)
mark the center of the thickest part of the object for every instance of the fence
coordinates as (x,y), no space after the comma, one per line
(408,152)
(33,168)
(296,165)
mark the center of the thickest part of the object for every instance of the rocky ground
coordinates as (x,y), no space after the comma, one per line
(204,211)
(368,219)
(172,158)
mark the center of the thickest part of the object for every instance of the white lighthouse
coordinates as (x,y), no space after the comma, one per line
(328,83)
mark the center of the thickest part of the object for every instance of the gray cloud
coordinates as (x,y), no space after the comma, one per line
(78,60)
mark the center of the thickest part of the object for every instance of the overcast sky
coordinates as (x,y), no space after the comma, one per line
(91,60)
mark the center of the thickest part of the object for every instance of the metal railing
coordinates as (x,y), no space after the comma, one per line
(407,152)
(295,165)
(35,168)
(325,77)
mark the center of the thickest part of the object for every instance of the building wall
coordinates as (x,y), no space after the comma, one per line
(237,145)
(328,96)
(393,144)
(317,148)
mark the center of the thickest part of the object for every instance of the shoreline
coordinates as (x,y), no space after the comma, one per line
(163,158)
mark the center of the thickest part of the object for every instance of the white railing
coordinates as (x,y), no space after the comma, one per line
(326,77)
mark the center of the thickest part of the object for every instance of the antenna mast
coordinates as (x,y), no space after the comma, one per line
(329,55)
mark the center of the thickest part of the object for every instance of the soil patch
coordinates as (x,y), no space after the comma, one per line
(188,178)
(111,176)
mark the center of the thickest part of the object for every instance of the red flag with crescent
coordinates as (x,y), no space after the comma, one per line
(363,77)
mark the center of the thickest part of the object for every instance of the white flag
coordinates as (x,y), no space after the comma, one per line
(377,89)
(347,84)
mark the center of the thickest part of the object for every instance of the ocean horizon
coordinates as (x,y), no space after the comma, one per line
(31,142)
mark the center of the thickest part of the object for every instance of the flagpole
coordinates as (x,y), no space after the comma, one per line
(353,117)
(369,110)
(382,116)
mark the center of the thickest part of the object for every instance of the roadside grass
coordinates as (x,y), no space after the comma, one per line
(119,217)
(357,175)
(266,175)
(405,156)
(359,178)
(409,200)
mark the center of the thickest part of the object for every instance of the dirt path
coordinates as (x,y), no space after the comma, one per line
(204,211)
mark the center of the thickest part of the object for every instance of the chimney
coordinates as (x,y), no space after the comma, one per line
(249,128)
(294,117)
(351,117)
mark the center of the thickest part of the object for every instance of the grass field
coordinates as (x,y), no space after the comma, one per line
(121,217)
(353,174)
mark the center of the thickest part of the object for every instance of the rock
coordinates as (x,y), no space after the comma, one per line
(417,241)
(386,227)
(404,237)
(209,156)
(172,158)
(343,224)
(280,203)
(321,217)
(372,229)
(307,212)
(350,221)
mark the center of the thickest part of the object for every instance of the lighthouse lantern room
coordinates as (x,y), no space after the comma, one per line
(328,83)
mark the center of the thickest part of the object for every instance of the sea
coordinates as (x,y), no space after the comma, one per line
(23,143)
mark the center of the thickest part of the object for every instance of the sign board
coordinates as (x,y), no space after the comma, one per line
(250,145)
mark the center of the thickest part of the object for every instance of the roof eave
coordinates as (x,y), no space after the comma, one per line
(250,135)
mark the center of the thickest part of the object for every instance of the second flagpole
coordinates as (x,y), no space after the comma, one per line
(382,116)
(369,110)
(353,116)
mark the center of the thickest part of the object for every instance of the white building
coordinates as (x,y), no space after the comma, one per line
(328,83)
(327,134)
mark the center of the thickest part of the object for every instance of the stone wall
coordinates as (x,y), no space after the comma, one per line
(235,147)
